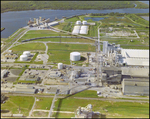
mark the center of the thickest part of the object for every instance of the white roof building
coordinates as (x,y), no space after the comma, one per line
(76,30)
(84,30)
(135,57)
(78,22)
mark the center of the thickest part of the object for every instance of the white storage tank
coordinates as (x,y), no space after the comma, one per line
(23,58)
(84,22)
(26,53)
(78,22)
(75,56)
(60,65)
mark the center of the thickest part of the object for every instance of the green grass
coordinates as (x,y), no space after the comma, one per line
(28,46)
(86,93)
(44,103)
(61,52)
(13,103)
(2,29)
(73,19)
(41,33)
(124,109)
(138,19)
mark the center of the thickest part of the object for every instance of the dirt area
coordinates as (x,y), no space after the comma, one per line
(16,71)
(11,79)
(39,114)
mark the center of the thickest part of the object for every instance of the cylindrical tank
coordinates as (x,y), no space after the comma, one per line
(78,22)
(60,65)
(84,22)
(23,58)
(75,56)
(26,53)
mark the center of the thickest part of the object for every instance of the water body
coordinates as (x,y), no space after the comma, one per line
(14,20)
(95,18)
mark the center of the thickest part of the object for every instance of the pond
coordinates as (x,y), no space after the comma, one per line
(95,18)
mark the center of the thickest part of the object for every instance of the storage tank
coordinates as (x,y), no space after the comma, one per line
(26,53)
(78,22)
(60,65)
(84,22)
(75,56)
(23,58)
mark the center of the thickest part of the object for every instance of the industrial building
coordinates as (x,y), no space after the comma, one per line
(53,23)
(84,30)
(76,30)
(135,57)
(135,86)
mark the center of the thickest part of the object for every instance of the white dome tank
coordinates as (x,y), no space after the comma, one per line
(60,65)
(84,22)
(75,56)
(26,53)
(23,58)
(78,22)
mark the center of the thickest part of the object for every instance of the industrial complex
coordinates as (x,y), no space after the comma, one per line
(105,67)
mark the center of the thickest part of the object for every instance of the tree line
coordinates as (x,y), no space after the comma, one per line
(66,5)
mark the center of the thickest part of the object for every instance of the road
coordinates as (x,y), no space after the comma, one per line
(30,113)
(24,32)
(85,98)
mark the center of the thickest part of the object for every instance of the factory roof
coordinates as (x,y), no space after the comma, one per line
(138,72)
(134,53)
(83,29)
(76,29)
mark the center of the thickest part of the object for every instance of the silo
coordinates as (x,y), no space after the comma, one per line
(60,65)
(84,22)
(26,53)
(105,47)
(23,58)
(75,56)
(78,22)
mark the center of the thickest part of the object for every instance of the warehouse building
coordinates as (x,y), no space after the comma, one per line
(135,86)
(76,30)
(135,57)
(84,30)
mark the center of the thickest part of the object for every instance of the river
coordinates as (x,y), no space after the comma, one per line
(14,20)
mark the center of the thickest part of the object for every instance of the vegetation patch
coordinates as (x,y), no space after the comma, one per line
(114,109)
(39,114)
(18,104)
(43,103)
(28,46)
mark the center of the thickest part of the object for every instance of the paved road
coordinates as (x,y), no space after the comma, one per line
(19,35)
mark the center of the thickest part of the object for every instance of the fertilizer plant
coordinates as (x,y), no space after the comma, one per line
(55,62)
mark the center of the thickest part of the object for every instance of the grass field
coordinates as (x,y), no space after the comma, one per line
(41,33)
(43,103)
(86,93)
(115,109)
(28,46)
(61,52)
(14,102)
